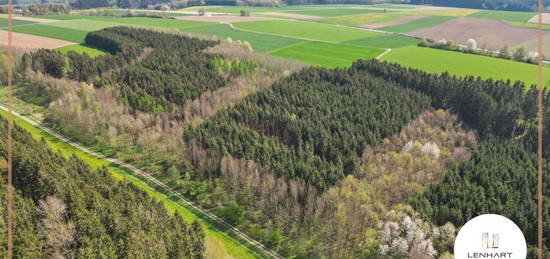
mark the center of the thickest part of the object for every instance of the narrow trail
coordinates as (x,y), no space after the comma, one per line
(267,251)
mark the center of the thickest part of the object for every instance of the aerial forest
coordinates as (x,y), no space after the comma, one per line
(65,209)
(371,161)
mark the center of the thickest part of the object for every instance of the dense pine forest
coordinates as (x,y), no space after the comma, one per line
(312,126)
(64,209)
(155,71)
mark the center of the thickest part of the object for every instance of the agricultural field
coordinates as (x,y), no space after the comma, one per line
(75,29)
(4,22)
(504,15)
(81,48)
(260,42)
(533,44)
(306,30)
(327,54)
(51,31)
(385,41)
(426,22)
(334,12)
(491,34)
(358,20)
(460,64)
(84,25)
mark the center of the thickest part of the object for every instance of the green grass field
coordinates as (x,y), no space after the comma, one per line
(327,54)
(386,41)
(232,247)
(504,15)
(396,6)
(60,17)
(460,64)
(52,32)
(4,22)
(148,22)
(84,25)
(260,42)
(75,29)
(306,30)
(80,48)
(356,20)
(334,12)
(427,22)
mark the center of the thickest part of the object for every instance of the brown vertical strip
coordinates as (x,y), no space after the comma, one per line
(539,113)
(10,125)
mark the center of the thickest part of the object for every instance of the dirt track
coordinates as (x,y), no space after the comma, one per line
(222,18)
(403,20)
(492,33)
(26,41)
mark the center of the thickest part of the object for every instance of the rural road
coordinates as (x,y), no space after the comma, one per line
(158,183)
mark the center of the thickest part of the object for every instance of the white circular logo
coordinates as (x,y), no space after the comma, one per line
(490,236)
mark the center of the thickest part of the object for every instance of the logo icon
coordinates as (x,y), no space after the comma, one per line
(489,240)
(490,236)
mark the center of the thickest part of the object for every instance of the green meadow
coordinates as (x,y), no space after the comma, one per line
(385,41)
(334,12)
(52,32)
(356,20)
(260,42)
(306,30)
(4,22)
(80,48)
(327,54)
(461,64)
(84,24)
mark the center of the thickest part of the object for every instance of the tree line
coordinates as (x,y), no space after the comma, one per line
(155,71)
(312,126)
(65,209)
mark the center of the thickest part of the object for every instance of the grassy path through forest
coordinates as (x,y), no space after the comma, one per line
(237,243)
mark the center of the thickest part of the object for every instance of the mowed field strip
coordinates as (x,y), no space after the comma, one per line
(327,54)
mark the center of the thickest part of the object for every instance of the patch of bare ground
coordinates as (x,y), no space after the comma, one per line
(492,34)
(222,18)
(29,42)
(545,18)
(403,20)
(291,15)
(419,156)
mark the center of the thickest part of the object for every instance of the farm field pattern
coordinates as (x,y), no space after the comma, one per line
(335,39)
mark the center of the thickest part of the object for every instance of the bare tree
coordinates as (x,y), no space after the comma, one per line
(58,231)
